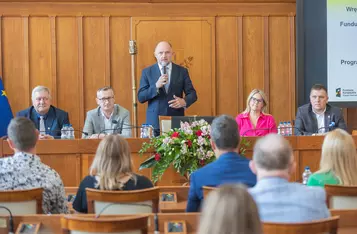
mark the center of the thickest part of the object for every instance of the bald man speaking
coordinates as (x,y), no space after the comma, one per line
(162,85)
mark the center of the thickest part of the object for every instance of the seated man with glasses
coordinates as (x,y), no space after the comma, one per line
(107,118)
(48,119)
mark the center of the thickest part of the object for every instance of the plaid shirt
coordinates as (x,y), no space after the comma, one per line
(26,171)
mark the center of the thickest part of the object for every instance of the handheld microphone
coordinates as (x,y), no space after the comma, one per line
(73,130)
(11,221)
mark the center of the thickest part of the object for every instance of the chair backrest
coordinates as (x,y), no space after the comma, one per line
(123,202)
(329,225)
(22,202)
(137,224)
(165,123)
(341,197)
(206,190)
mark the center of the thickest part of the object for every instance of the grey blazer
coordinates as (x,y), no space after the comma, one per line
(306,122)
(94,123)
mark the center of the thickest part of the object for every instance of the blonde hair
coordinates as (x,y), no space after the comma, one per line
(339,156)
(229,210)
(112,163)
(255,91)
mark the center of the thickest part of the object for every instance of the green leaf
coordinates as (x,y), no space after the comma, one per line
(148,163)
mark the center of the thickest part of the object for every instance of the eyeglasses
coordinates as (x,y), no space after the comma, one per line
(41,98)
(256,100)
(105,99)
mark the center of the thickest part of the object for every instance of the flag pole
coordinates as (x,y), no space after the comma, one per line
(133,52)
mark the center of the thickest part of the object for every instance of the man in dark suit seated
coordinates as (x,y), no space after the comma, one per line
(48,119)
(318,117)
(229,168)
(162,85)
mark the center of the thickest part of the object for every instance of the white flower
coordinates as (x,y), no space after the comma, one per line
(167,140)
(201,141)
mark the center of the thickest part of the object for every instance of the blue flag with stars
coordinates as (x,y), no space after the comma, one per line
(5,113)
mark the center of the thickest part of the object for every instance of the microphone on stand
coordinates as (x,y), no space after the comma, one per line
(11,221)
(329,128)
(74,130)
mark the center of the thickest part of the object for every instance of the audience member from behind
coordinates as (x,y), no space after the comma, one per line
(111,170)
(277,199)
(338,164)
(254,121)
(229,168)
(26,171)
(229,210)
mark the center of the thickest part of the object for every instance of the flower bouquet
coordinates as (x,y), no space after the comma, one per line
(187,149)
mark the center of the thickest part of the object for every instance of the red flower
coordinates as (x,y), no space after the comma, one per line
(175,135)
(208,136)
(157,157)
(202,162)
(189,143)
(199,133)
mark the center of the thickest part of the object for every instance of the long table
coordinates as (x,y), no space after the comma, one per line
(72,158)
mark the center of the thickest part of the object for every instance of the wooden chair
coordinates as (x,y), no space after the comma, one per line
(206,190)
(137,224)
(329,225)
(347,218)
(341,197)
(165,123)
(22,202)
(123,202)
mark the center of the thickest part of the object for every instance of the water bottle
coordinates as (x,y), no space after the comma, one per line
(143,131)
(305,175)
(282,128)
(70,132)
(289,129)
(64,131)
(279,128)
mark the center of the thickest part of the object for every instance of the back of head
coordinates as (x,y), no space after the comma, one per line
(22,132)
(225,132)
(339,156)
(230,210)
(272,153)
(112,162)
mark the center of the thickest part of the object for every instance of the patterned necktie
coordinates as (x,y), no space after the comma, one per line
(42,125)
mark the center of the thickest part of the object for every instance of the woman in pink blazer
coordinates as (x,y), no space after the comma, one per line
(254,121)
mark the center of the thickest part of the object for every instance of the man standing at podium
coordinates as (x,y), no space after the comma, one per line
(162,85)
(318,117)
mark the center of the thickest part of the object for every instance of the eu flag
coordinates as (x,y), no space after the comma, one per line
(6,113)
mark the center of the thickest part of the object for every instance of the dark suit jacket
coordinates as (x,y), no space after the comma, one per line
(229,168)
(180,83)
(306,122)
(54,120)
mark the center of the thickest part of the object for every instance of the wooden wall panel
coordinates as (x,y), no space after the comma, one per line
(253,54)
(68,68)
(191,38)
(40,53)
(15,61)
(280,89)
(120,61)
(227,65)
(94,67)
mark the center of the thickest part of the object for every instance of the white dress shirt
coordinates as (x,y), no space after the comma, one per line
(168,72)
(108,124)
(320,121)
